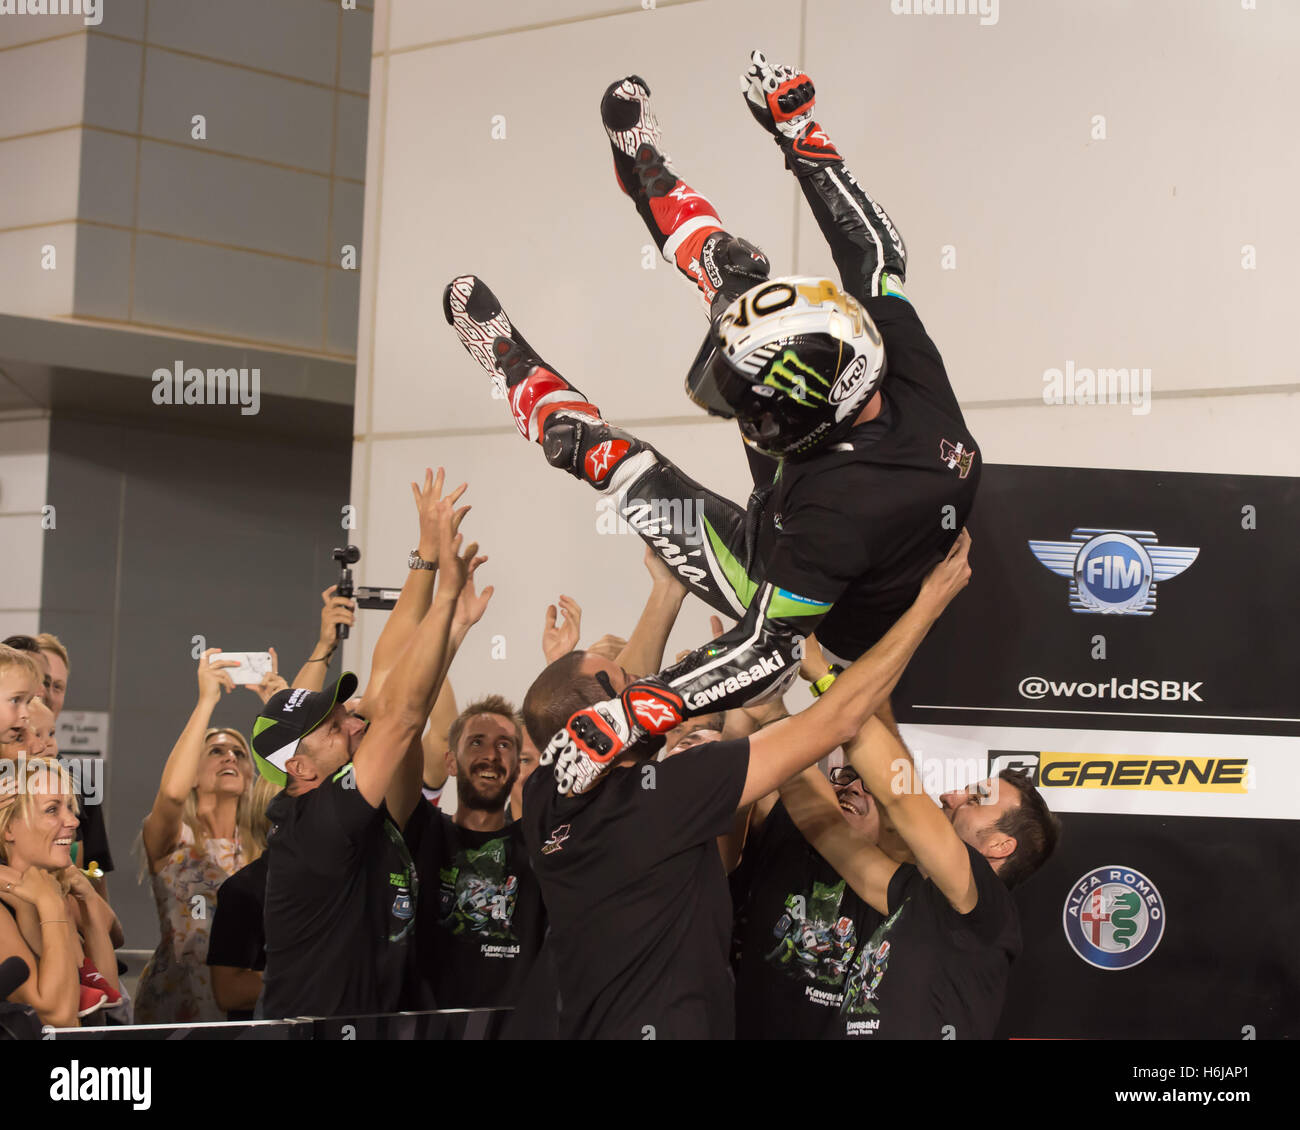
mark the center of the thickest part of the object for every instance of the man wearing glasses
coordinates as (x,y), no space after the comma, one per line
(798,923)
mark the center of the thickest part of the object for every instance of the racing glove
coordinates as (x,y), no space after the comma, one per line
(781,99)
(597,737)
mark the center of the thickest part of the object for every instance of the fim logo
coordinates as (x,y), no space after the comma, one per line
(1114,572)
(1114,918)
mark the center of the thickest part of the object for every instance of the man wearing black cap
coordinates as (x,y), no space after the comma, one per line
(341,889)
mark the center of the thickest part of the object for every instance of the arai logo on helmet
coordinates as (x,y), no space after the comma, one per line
(849,381)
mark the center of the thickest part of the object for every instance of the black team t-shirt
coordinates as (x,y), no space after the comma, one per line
(638,903)
(341,896)
(480,920)
(237,938)
(798,925)
(860,523)
(929,973)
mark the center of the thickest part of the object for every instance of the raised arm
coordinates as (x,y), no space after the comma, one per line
(644,653)
(560,638)
(780,751)
(404,793)
(436,740)
(813,809)
(335,610)
(597,736)
(864,241)
(413,603)
(162,827)
(889,775)
(95,920)
(406,696)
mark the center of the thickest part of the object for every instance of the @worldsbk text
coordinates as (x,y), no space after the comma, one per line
(1132,690)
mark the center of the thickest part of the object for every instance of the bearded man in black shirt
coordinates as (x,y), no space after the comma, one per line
(480,920)
(872,480)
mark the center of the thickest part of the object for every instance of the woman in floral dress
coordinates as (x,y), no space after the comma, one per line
(198,834)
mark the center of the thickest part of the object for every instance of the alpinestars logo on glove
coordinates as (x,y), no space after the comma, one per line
(657,709)
(656,716)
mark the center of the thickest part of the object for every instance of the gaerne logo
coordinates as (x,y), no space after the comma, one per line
(1114,918)
(1114,572)
(1050,770)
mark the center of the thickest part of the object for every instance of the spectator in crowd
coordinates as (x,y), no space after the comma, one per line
(20,682)
(237,946)
(341,894)
(237,942)
(637,850)
(56,658)
(92,845)
(480,920)
(797,921)
(53,919)
(30,646)
(198,833)
(41,734)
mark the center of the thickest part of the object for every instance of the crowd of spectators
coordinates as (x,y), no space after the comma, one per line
(308,867)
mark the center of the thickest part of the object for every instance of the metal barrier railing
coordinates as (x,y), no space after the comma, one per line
(442,1024)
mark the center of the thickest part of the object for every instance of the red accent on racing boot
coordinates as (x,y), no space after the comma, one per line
(546,411)
(670,208)
(688,262)
(537,395)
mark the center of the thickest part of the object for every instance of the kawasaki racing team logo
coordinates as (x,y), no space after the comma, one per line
(1114,918)
(1114,572)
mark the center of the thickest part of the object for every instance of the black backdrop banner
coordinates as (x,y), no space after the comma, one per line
(1129,640)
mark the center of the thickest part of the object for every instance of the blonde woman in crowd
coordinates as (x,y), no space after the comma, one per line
(52,917)
(198,833)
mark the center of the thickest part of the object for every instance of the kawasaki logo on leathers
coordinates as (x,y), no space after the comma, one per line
(768,665)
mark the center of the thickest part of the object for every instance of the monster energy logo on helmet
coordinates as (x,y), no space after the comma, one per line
(788,367)
(793,361)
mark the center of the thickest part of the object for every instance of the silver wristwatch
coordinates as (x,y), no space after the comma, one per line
(415,561)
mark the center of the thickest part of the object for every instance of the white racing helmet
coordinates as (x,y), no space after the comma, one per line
(793,360)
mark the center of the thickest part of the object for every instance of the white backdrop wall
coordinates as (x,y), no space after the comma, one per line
(1167,244)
